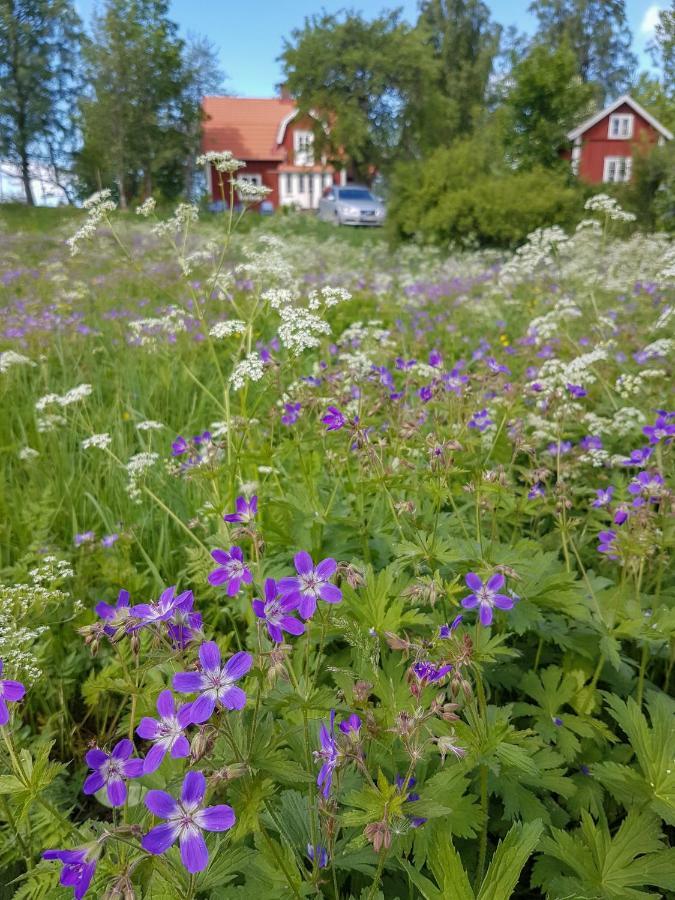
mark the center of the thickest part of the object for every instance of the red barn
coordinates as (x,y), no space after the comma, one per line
(276,144)
(604,146)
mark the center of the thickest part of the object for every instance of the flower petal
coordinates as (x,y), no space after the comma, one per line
(132,768)
(275,633)
(187,682)
(496,581)
(202,709)
(303,563)
(160,838)
(215,818)
(307,606)
(473,581)
(181,747)
(194,787)
(93,783)
(193,852)
(160,804)
(123,749)
(470,602)
(209,655)
(238,665)
(165,704)
(147,729)
(233,698)
(258,608)
(485,615)
(292,626)
(153,760)
(117,792)
(217,577)
(221,556)
(95,758)
(501,601)
(326,568)
(330,593)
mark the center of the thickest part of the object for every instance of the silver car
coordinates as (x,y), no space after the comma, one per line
(351,204)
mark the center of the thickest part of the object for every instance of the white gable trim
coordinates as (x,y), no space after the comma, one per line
(288,118)
(635,106)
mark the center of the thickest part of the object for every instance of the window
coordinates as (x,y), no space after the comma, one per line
(301,184)
(303,145)
(251,179)
(355,194)
(621,126)
(617,168)
(328,179)
(289,183)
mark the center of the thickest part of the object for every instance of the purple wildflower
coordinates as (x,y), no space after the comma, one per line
(10,691)
(591,442)
(276,610)
(427,673)
(480,420)
(246,510)
(485,596)
(179,446)
(231,570)
(167,733)
(215,683)
(291,413)
(662,429)
(559,448)
(577,391)
(606,543)
(425,393)
(85,537)
(164,608)
(435,359)
(537,490)
(321,855)
(603,497)
(351,725)
(312,583)
(333,420)
(185,624)
(621,515)
(79,866)
(445,631)
(109,540)
(647,485)
(186,819)
(111,770)
(415,821)
(329,754)
(638,457)
(454,381)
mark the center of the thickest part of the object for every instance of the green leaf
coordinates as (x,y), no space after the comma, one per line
(509,859)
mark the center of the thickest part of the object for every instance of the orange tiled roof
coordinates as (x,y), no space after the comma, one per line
(247,127)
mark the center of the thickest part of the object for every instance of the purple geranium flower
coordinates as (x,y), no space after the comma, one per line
(185,820)
(276,610)
(427,673)
(291,413)
(215,683)
(576,390)
(603,497)
(231,570)
(638,457)
(10,691)
(185,624)
(480,420)
(591,442)
(179,446)
(425,393)
(453,381)
(662,429)
(109,540)
(333,420)
(311,584)
(621,515)
(415,821)
(116,616)
(164,608)
(246,510)
(485,596)
(112,770)
(79,866)
(351,725)
(167,733)
(445,631)
(321,855)
(606,543)
(329,754)
(647,485)
(537,490)
(86,537)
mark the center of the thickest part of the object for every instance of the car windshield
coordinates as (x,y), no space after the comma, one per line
(355,194)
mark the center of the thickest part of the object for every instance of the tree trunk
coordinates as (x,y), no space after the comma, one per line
(25,177)
(123,195)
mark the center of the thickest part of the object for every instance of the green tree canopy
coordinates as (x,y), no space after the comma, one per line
(39,52)
(545,100)
(134,114)
(598,33)
(368,77)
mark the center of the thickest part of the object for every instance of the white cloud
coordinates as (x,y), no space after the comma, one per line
(650,19)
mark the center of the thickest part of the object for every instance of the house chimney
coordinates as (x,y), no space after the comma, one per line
(283,92)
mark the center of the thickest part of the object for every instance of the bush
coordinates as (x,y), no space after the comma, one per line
(457,196)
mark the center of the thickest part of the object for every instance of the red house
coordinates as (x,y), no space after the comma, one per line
(604,146)
(275,142)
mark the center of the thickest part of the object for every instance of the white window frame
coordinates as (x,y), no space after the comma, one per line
(621,126)
(612,169)
(303,147)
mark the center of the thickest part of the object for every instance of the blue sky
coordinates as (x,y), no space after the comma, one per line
(250,35)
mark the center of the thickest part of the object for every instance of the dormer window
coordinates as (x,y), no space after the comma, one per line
(303,148)
(621,126)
